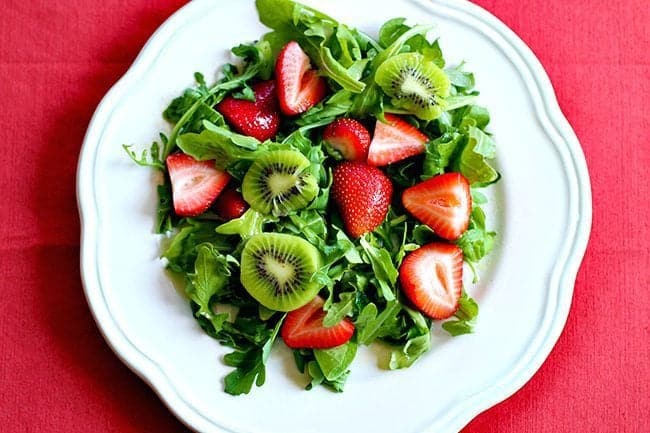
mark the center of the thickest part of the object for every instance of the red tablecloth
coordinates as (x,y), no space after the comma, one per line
(58,58)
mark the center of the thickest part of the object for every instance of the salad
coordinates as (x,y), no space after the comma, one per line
(327,189)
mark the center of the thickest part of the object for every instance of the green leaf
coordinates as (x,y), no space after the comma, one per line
(383,267)
(148,158)
(439,153)
(393,29)
(182,251)
(339,310)
(473,159)
(247,225)
(335,70)
(335,362)
(460,78)
(465,317)
(164,211)
(371,326)
(219,144)
(325,112)
(275,13)
(211,274)
(410,352)
(249,369)
(266,349)
(249,365)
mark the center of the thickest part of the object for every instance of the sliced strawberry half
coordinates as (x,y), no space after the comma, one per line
(230,204)
(303,328)
(394,141)
(299,86)
(443,203)
(195,184)
(363,194)
(259,119)
(349,137)
(432,278)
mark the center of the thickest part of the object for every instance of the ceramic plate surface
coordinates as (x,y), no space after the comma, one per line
(541,211)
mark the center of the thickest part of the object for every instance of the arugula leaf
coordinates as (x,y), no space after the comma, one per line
(382,265)
(371,325)
(182,252)
(410,352)
(465,317)
(325,112)
(477,241)
(473,159)
(211,274)
(251,223)
(438,154)
(338,310)
(306,363)
(249,369)
(392,29)
(334,362)
(220,144)
(249,365)
(164,213)
(460,78)
(148,158)
(419,342)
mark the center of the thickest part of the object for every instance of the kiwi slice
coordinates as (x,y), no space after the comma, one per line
(414,84)
(276,270)
(279,182)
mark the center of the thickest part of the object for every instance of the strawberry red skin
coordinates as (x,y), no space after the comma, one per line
(443,203)
(259,119)
(362,194)
(431,277)
(394,141)
(349,137)
(303,328)
(230,204)
(299,86)
(195,184)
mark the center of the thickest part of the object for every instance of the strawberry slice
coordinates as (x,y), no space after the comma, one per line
(362,194)
(443,203)
(230,204)
(259,119)
(303,328)
(349,137)
(195,184)
(299,86)
(432,278)
(394,141)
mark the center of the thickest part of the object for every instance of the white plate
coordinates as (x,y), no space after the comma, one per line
(542,215)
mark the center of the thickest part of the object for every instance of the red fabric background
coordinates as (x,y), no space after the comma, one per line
(58,58)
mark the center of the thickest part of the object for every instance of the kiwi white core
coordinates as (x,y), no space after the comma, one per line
(282,271)
(279,183)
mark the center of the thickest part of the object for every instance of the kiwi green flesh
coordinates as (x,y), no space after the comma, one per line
(414,84)
(276,270)
(279,182)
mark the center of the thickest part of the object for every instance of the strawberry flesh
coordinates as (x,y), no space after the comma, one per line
(195,184)
(443,203)
(349,137)
(230,204)
(299,86)
(363,194)
(394,141)
(303,328)
(259,119)
(431,277)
